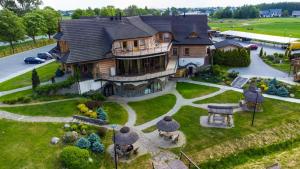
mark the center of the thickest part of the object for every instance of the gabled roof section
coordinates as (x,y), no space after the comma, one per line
(225,43)
(91,39)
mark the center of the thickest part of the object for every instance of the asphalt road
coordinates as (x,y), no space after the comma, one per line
(14,64)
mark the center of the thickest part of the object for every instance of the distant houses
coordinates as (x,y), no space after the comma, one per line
(296,13)
(270,13)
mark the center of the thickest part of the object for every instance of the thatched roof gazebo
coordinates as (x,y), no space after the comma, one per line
(167,124)
(126,137)
(253,98)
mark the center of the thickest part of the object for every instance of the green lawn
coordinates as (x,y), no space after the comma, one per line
(27,145)
(284,67)
(270,26)
(147,110)
(226,97)
(45,73)
(116,113)
(57,109)
(199,138)
(189,90)
(13,96)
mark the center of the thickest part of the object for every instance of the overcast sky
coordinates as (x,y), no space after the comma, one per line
(74,4)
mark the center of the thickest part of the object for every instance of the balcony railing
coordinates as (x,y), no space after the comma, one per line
(159,48)
(171,69)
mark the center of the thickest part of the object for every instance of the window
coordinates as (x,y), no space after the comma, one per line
(142,42)
(124,44)
(135,43)
(187,51)
(175,52)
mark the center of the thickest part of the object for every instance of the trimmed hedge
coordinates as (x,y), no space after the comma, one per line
(53,88)
(233,58)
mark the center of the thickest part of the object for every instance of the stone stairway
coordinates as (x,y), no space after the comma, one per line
(239,82)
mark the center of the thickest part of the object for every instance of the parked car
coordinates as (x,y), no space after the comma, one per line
(44,56)
(34,60)
(252,46)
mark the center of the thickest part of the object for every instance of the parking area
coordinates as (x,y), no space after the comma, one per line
(14,65)
(257,67)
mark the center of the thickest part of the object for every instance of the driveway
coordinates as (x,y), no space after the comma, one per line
(14,65)
(258,68)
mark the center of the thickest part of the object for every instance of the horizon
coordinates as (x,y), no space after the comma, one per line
(158,4)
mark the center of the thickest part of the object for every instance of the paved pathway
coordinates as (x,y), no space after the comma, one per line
(12,66)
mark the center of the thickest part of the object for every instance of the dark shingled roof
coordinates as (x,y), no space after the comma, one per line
(91,39)
(225,43)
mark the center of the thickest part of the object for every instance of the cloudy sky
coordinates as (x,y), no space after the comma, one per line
(74,4)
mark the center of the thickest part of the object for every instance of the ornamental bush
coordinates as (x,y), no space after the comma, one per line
(93,104)
(97,147)
(83,143)
(93,138)
(101,114)
(272,90)
(283,92)
(233,58)
(74,158)
(53,88)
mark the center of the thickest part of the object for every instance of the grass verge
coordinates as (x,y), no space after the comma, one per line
(226,97)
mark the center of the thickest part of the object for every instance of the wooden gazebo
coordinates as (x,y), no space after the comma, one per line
(295,67)
(253,98)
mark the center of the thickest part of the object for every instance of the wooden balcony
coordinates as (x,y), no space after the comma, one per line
(159,48)
(171,69)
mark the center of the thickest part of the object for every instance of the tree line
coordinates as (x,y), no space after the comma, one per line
(22,18)
(252,11)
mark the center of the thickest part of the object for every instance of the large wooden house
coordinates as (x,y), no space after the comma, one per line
(132,56)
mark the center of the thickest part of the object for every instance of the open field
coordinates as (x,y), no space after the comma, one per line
(270,26)
(45,73)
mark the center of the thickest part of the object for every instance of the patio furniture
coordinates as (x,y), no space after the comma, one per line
(220,114)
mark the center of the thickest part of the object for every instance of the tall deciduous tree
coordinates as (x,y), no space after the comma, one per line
(20,6)
(35,79)
(51,19)
(108,11)
(35,24)
(11,27)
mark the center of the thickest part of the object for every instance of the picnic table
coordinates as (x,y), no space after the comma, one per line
(220,113)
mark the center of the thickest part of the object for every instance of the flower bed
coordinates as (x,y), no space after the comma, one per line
(275,87)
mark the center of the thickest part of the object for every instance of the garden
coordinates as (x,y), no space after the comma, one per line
(275,87)
(277,60)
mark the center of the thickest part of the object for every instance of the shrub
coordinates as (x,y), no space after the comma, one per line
(59,72)
(93,104)
(234,58)
(101,114)
(11,101)
(272,90)
(79,106)
(93,115)
(102,131)
(217,70)
(74,158)
(83,143)
(69,137)
(273,82)
(94,95)
(74,127)
(97,147)
(35,79)
(53,88)
(83,126)
(233,74)
(283,92)
(93,138)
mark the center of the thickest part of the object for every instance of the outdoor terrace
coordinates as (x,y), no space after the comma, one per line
(171,69)
(159,48)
